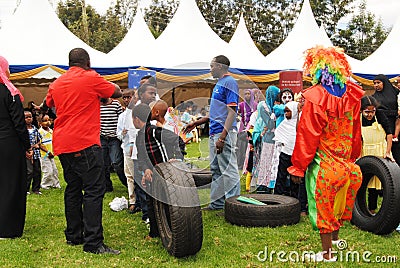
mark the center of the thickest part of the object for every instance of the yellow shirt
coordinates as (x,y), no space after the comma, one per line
(47,140)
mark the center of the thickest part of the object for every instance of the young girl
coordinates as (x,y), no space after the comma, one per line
(47,163)
(248,163)
(286,135)
(377,140)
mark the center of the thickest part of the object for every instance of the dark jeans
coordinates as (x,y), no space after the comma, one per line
(113,156)
(34,174)
(141,195)
(83,171)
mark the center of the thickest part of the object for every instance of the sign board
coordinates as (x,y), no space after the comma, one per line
(135,75)
(292,80)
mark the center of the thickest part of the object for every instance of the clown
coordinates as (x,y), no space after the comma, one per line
(328,142)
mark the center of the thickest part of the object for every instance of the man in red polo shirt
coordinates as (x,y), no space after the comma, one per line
(76,140)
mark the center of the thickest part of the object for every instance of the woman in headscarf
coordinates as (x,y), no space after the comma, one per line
(386,95)
(328,141)
(377,140)
(263,142)
(285,133)
(15,146)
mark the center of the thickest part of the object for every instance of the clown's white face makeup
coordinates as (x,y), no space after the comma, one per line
(286,97)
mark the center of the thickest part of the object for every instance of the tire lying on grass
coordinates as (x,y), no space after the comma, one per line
(177,209)
(387,218)
(279,210)
(202,177)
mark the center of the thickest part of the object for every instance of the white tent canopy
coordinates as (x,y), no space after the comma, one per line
(187,42)
(35,35)
(242,52)
(137,46)
(304,35)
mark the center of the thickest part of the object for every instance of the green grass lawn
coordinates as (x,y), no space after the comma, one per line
(224,245)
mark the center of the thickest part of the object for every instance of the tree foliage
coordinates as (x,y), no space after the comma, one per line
(268,21)
(329,12)
(106,31)
(363,35)
(159,14)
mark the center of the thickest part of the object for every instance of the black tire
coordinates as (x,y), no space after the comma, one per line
(387,218)
(280,210)
(202,177)
(177,209)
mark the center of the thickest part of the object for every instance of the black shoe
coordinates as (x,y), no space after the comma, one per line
(103,249)
(134,210)
(74,243)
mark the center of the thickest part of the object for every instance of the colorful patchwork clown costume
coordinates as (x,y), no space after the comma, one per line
(328,142)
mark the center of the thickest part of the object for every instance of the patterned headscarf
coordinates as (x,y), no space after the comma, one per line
(4,67)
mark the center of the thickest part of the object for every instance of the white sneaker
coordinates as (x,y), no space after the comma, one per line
(398,228)
(147,221)
(337,242)
(28,192)
(319,257)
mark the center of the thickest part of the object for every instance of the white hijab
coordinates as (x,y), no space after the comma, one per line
(286,131)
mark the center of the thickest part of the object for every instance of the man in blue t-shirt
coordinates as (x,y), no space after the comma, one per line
(223,134)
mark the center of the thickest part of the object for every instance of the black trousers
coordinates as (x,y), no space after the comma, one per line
(83,171)
(113,157)
(284,186)
(34,174)
(153,232)
(373,198)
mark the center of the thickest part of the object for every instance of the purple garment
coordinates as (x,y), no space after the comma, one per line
(246,109)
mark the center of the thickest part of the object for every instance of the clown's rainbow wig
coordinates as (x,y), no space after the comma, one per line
(327,65)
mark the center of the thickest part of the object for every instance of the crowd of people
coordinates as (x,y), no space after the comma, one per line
(299,145)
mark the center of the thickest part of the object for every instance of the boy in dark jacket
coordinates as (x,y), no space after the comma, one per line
(155,145)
